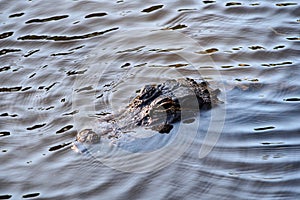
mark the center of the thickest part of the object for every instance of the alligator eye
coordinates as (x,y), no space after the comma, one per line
(206,91)
(167,105)
(203,84)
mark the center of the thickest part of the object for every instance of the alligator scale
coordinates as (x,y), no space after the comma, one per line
(156,107)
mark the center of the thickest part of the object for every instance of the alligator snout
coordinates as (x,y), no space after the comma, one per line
(88,136)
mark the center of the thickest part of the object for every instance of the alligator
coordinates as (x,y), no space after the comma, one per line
(157,106)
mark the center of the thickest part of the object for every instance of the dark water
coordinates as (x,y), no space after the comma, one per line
(64,64)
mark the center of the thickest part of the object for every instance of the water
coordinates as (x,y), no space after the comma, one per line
(64,64)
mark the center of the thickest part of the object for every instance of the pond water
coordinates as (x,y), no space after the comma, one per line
(67,64)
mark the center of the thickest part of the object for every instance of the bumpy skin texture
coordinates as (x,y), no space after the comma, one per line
(88,136)
(157,107)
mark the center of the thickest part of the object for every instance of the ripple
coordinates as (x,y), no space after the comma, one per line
(65,38)
(64,129)
(125,65)
(54,18)
(36,126)
(4,133)
(277,64)
(209,2)
(292,99)
(179,26)
(256,47)
(8,115)
(286,4)
(152,8)
(88,88)
(293,38)
(177,65)
(71,113)
(92,15)
(131,49)
(50,86)
(233,4)
(31,195)
(2,69)
(243,65)
(6,35)
(61,54)
(11,89)
(31,52)
(60,146)
(74,72)
(5,51)
(227,67)
(208,51)
(264,128)
(279,47)
(16,15)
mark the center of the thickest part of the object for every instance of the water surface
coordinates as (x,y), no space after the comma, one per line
(65,64)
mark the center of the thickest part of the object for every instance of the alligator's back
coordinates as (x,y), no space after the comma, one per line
(158,106)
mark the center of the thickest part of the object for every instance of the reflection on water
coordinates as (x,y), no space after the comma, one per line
(104,51)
